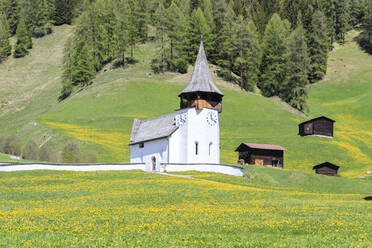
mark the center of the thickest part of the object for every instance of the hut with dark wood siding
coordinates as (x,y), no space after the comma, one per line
(261,154)
(321,126)
(327,169)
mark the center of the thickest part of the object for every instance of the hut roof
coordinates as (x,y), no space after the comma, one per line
(261,146)
(318,118)
(153,129)
(201,79)
(326,164)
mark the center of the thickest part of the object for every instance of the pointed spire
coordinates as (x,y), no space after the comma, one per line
(201,79)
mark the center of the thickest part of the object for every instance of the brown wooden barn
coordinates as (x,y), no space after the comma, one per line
(327,169)
(261,154)
(321,126)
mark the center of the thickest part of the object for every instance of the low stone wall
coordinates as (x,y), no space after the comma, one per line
(216,168)
(71,167)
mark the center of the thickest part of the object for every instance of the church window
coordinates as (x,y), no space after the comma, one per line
(196,148)
(142,145)
(210,148)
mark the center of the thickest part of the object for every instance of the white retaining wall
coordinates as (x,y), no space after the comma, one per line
(97,167)
(216,168)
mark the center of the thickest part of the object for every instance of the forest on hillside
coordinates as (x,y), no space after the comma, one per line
(280,46)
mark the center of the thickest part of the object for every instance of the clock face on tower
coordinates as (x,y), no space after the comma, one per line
(212,118)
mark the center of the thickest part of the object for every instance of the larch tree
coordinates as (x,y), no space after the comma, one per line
(274,57)
(318,47)
(342,20)
(159,64)
(247,50)
(293,91)
(121,30)
(11,9)
(24,41)
(5,47)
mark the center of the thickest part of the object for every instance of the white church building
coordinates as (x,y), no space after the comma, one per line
(191,135)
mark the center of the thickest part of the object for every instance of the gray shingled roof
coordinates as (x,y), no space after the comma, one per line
(153,129)
(201,79)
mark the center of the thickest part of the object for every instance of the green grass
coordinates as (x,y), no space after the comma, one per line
(137,209)
(100,117)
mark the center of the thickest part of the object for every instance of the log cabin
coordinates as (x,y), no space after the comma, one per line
(327,169)
(321,126)
(261,154)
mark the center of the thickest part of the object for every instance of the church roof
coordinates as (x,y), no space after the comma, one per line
(201,79)
(153,129)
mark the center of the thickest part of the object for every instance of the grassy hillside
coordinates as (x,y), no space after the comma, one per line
(101,116)
(137,209)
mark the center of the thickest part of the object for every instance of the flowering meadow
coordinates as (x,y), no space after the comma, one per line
(137,209)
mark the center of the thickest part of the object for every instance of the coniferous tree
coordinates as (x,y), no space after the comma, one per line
(367,23)
(121,30)
(159,64)
(24,41)
(342,20)
(318,47)
(67,70)
(274,58)
(262,11)
(247,50)
(293,91)
(357,12)
(5,48)
(133,35)
(329,10)
(176,31)
(11,9)
(198,28)
(225,38)
(63,13)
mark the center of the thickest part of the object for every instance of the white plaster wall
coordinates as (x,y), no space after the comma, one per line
(156,148)
(106,167)
(223,169)
(199,131)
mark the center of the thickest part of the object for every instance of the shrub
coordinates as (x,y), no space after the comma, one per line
(12,146)
(89,157)
(48,153)
(31,151)
(71,153)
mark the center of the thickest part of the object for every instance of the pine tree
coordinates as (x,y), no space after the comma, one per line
(293,91)
(198,28)
(67,70)
(133,35)
(318,47)
(262,11)
(226,42)
(63,13)
(329,9)
(24,41)
(274,58)
(367,23)
(159,64)
(11,9)
(247,49)
(121,30)
(342,20)
(5,48)
(176,31)
(82,68)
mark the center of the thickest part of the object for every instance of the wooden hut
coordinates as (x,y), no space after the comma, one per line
(261,154)
(327,169)
(321,126)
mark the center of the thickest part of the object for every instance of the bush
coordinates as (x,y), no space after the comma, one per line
(12,146)
(178,65)
(71,153)
(89,157)
(2,144)
(48,153)
(157,66)
(31,151)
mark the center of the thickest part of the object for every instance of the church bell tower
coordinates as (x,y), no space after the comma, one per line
(201,92)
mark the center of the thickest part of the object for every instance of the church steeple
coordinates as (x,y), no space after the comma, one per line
(201,91)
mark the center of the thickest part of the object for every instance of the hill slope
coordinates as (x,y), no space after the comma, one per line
(100,117)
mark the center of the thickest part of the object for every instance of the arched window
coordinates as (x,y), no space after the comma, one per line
(196,148)
(210,148)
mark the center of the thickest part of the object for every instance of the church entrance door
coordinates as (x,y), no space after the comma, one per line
(154,163)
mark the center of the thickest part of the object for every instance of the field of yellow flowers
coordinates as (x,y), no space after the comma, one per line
(137,209)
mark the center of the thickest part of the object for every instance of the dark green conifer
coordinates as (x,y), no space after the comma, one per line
(318,47)
(274,59)
(11,9)
(5,48)
(293,91)
(24,41)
